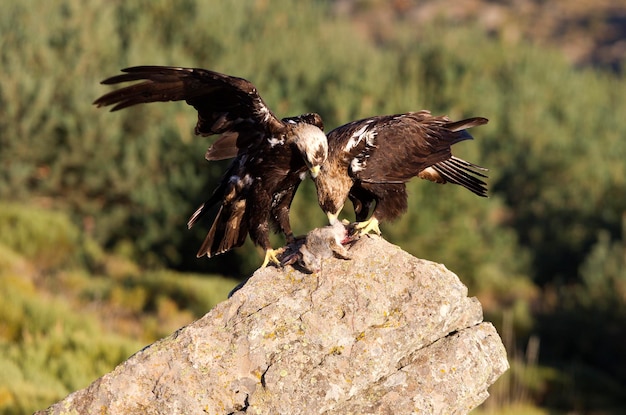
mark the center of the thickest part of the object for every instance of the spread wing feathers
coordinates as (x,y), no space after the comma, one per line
(229,230)
(224,103)
(230,225)
(457,171)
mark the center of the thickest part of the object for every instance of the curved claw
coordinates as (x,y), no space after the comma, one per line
(370,225)
(271,256)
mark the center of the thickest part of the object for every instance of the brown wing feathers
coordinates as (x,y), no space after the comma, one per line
(463,173)
(229,230)
(160,84)
(224,103)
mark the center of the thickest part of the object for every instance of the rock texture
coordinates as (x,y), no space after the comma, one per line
(382,333)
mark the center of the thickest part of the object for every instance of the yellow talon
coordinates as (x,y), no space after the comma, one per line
(271,256)
(370,225)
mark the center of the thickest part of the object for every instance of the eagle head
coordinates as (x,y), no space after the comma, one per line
(312,144)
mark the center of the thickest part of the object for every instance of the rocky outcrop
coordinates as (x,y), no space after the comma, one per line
(382,332)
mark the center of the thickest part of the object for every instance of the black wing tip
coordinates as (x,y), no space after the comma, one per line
(466,164)
(463,173)
(157,68)
(104,102)
(145,73)
(136,73)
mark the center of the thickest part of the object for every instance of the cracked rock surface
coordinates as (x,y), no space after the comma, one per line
(382,333)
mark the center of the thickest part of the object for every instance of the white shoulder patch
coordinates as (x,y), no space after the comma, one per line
(357,165)
(361,134)
(274,141)
(263,110)
(369,137)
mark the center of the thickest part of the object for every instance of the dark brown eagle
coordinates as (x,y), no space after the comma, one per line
(271,156)
(370,160)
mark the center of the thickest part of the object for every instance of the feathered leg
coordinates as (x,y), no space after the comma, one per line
(391,202)
(280,212)
(362,201)
(259,227)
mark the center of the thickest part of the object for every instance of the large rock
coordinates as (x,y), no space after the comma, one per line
(383,332)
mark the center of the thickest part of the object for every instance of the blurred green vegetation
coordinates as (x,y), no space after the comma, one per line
(70,311)
(94,239)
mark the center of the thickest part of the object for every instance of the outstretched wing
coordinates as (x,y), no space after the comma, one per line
(226,105)
(230,224)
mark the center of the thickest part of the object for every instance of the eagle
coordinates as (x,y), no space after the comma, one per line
(371,160)
(270,156)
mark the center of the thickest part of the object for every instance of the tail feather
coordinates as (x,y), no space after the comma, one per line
(465,124)
(204,208)
(196,216)
(230,225)
(229,230)
(463,173)
(459,128)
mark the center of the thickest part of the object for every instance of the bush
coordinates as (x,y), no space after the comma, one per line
(48,349)
(46,239)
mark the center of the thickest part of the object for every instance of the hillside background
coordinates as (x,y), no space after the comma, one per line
(95,258)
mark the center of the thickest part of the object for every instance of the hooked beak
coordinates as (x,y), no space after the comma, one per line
(332,217)
(315,170)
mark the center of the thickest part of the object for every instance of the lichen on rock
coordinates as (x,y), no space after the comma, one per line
(382,332)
